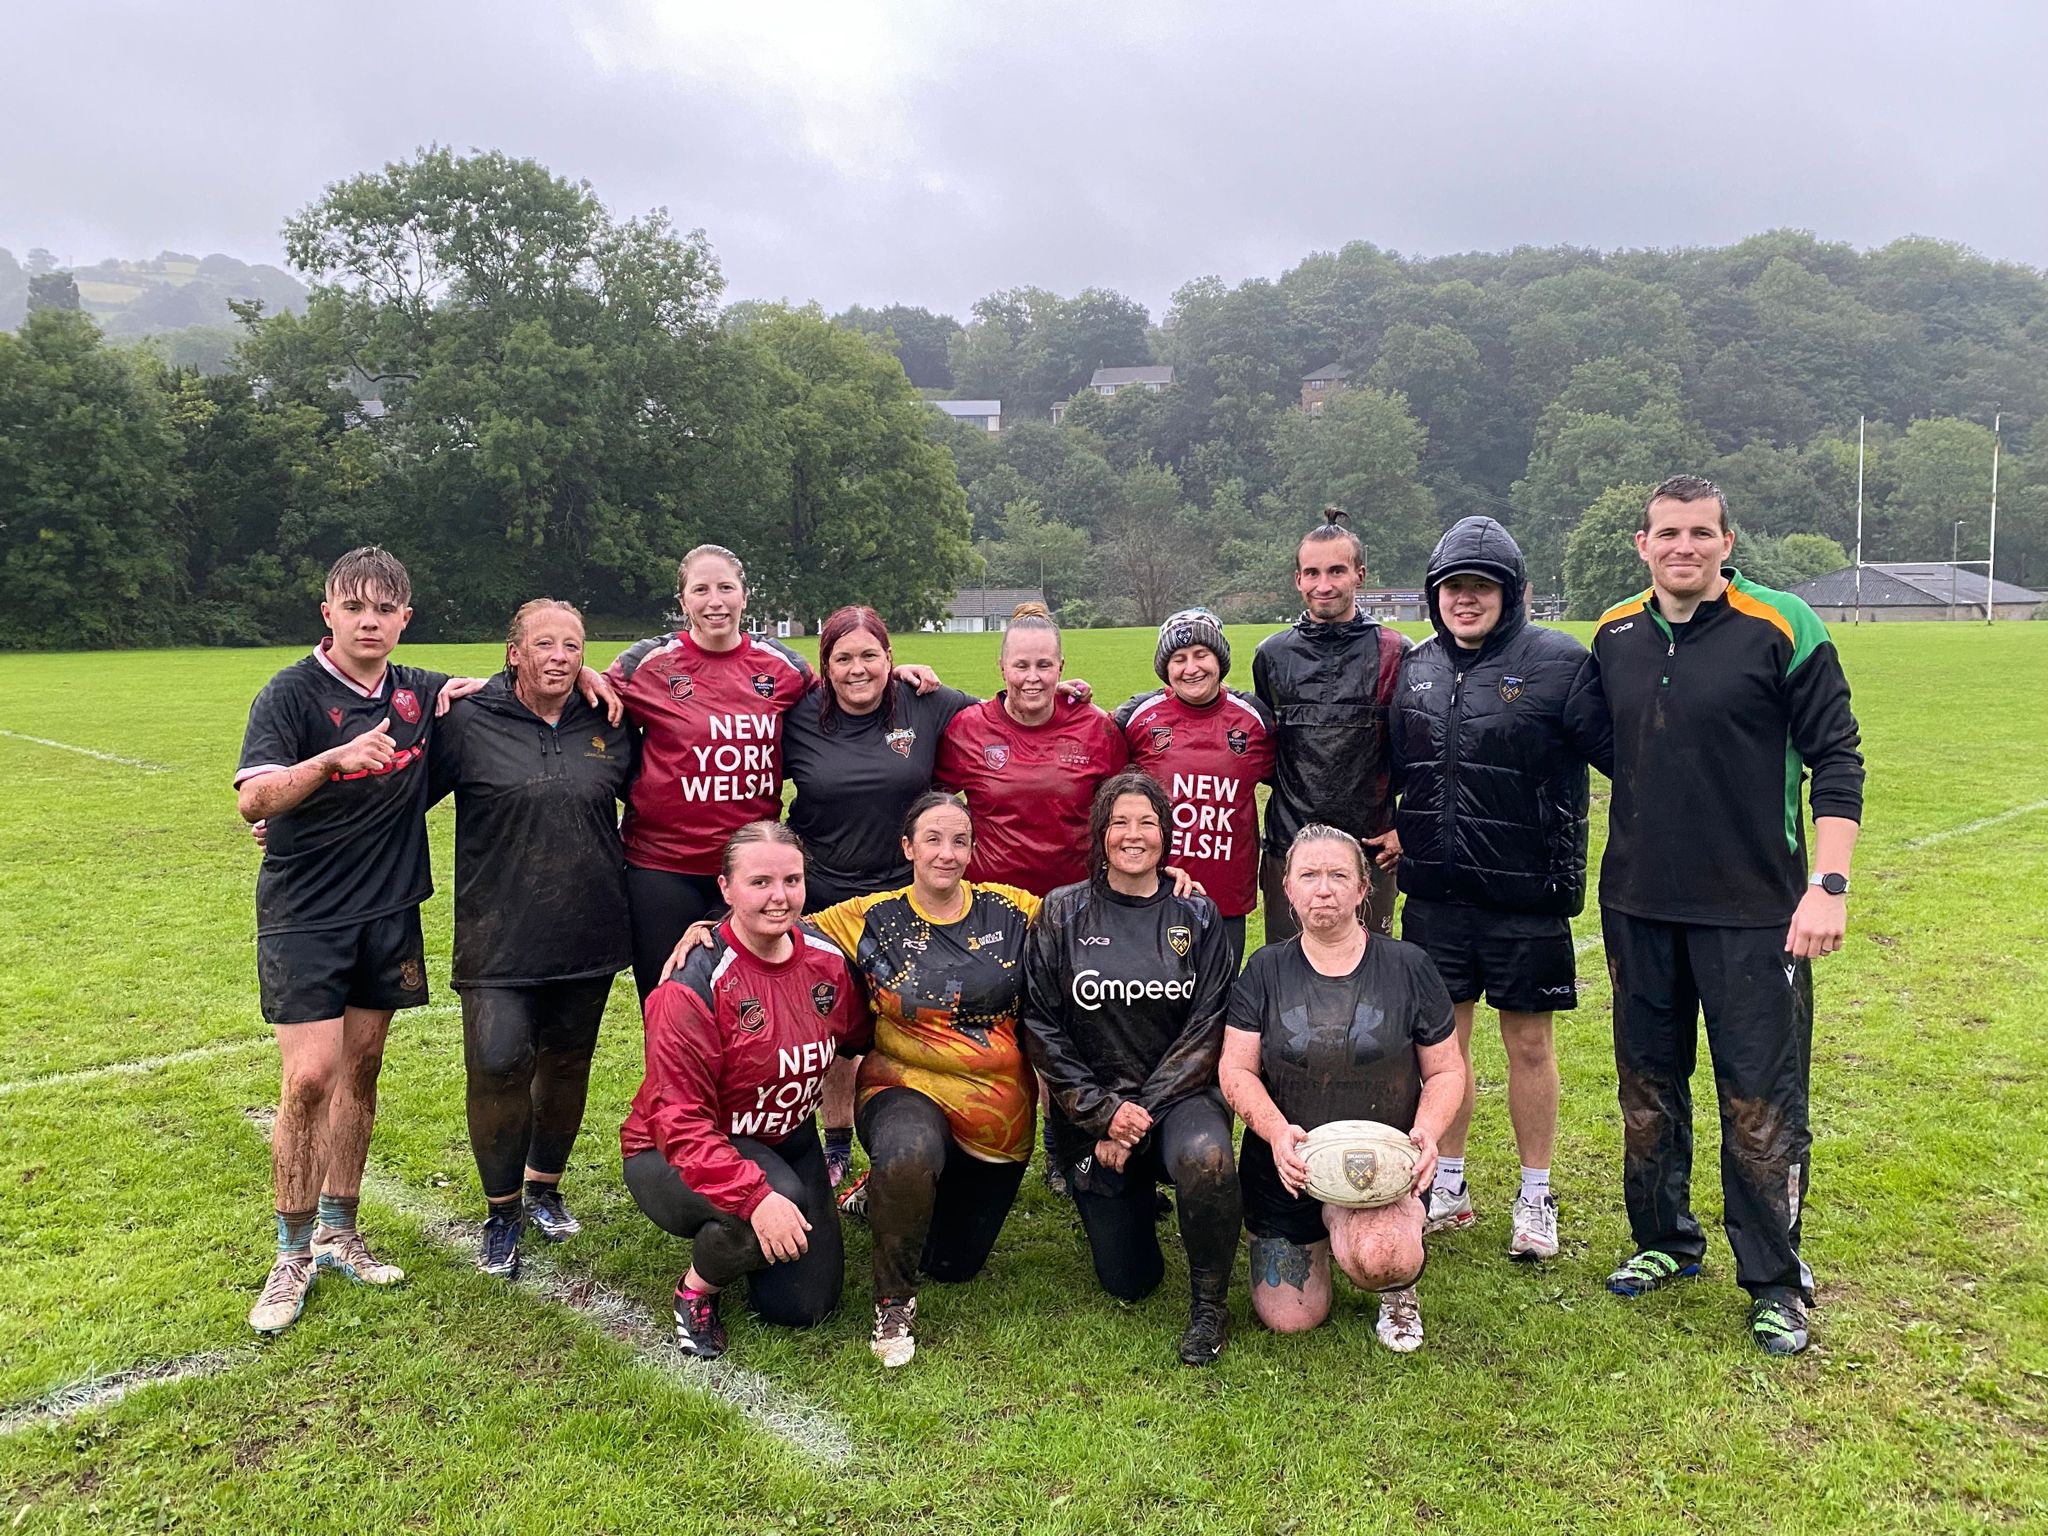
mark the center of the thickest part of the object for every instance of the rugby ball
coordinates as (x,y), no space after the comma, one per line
(1358,1163)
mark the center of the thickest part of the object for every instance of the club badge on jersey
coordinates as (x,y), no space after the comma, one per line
(680,687)
(901,740)
(996,754)
(407,704)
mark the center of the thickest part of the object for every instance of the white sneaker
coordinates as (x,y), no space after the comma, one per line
(346,1251)
(283,1296)
(893,1341)
(1535,1234)
(1400,1323)
(1446,1212)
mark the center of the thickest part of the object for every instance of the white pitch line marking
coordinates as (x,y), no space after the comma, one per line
(813,1431)
(105,757)
(1978,826)
(94,1391)
(147,1064)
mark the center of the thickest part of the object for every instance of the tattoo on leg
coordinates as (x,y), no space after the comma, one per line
(1277,1262)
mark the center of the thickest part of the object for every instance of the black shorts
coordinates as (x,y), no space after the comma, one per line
(315,973)
(1269,1210)
(1522,964)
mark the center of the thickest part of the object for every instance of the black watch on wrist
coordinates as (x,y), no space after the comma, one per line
(1833,884)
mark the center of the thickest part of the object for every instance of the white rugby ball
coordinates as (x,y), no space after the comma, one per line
(1358,1163)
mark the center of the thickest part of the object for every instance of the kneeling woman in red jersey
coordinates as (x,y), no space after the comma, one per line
(722,1144)
(1125,987)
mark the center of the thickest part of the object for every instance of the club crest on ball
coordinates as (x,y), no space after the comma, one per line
(1361,1169)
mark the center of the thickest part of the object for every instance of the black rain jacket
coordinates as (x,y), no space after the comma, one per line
(1490,757)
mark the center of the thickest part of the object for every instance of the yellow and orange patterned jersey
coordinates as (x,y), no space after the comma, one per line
(945,997)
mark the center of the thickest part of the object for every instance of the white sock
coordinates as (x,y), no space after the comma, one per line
(1450,1174)
(1535,1182)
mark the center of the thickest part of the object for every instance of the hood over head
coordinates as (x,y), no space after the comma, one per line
(1481,547)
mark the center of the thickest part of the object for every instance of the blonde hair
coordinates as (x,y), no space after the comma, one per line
(1318,832)
(683,566)
(517,632)
(1029,616)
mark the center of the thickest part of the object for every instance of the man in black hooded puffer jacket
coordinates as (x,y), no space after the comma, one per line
(1494,722)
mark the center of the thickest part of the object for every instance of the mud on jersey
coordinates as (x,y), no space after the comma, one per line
(737,1046)
(1124,999)
(946,998)
(711,744)
(1210,759)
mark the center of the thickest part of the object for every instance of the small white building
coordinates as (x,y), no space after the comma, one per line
(985,610)
(1914,589)
(986,414)
(1152,378)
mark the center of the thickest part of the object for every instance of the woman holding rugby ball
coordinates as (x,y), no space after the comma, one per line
(1336,1024)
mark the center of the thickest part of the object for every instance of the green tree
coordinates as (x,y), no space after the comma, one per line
(1033,550)
(1601,565)
(1943,473)
(866,507)
(918,337)
(1363,454)
(52,290)
(87,483)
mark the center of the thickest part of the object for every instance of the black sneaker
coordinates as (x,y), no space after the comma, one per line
(550,1217)
(1056,1180)
(1648,1271)
(1778,1325)
(698,1330)
(498,1254)
(1208,1329)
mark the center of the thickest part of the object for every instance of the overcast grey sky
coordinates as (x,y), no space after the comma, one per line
(844,151)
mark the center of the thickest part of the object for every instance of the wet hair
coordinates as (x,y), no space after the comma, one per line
(1029,616)
(1318,832)
(1332,527)
(931,800)
(517,630)
(683,566)
(756,832)
(850,620)
(362,572)
(1132,781)
(1687,488)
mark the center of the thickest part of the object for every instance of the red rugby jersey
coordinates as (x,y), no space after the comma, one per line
(1028,788)
(1210,759)
(711,745)
(739,1047)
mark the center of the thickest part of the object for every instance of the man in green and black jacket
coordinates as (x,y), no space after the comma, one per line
(1725,696)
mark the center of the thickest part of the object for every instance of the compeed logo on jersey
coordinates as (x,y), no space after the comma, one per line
(680,686)
(824,997)
(764,685)
(1162,737)
(1092,989)
(753,1017)
(901,740)
(1510,689)
(1237,740)
(407,705)
(1181,938)
(996,754)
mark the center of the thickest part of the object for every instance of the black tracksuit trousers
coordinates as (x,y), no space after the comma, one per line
(1758,1003)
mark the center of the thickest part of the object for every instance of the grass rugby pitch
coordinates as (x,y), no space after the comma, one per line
(134,1197)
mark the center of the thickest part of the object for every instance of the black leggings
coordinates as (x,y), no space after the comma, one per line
(527,1051)
(662,906)
(1189,1148)
(792,1294)
(931,1206)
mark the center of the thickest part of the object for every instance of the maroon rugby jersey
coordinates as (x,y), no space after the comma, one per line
(739,1047)
(711,747)
(1210,759)
(1028,788)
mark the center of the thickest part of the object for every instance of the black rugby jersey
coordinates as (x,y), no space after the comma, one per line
(1124,998)
(1343,1047)
(855,782)
(356,848)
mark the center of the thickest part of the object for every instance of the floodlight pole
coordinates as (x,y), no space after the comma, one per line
(1859,519)
(1955,538)
(1991,555)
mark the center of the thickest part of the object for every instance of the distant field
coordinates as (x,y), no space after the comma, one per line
(134,1198)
